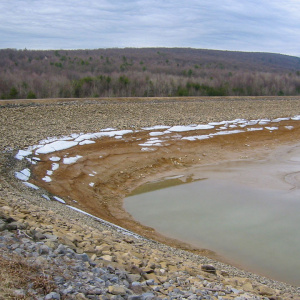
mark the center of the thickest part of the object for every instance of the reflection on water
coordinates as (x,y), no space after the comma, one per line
(258,228)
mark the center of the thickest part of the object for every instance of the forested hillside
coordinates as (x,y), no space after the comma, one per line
(145,72)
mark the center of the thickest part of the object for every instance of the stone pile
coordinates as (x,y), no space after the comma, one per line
(82,262)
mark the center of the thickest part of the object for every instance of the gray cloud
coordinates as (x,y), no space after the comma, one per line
(269,26)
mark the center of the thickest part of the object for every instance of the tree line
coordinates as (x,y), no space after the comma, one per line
(146,72)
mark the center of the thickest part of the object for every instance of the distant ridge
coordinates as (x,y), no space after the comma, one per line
(145,72)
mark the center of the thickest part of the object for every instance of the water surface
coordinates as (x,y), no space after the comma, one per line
(255,225)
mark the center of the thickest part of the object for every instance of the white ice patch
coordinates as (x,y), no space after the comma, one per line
(280,119)
(22,153)
(23,175)
(91,184)
(119,228)
(92,175)
(156,133)
(49,173)
(71,160)
(152,142)
(289,127)
(54,166)
(255,129)
(226,132)
(148,149)
(91,136)
(31,161)
(108,129)
(55,146)
(46,197)
(33,186)
(272,128)
(296,118)
(86,142)
(264,121)
(47,179)
(54,158)
(196,137)
(251,122)
(189,128)
(59,199)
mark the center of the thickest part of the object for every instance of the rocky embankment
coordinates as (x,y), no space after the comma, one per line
(77,261)
(48,251)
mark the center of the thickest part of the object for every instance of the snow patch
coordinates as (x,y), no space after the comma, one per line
(22,153)
(280,119)
(55,146)
(289,127)
(71,160)
(180,128)
(54,166)
(255,129)
(272,128)
(86,142)
(23,175)
(119,228)
(156,133)
(226,132)
(59,199)
(54,158)
(148,149)
(46,197)
(196,137)
(33,186)
(47,179)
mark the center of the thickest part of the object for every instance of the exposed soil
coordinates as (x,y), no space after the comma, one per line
(117,167)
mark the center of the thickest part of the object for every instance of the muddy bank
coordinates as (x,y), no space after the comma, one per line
(109,169)
(26,124)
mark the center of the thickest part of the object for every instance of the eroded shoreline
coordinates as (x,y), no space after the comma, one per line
(103,173)
(22,126)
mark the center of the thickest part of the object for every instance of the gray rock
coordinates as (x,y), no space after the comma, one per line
(59,280)
(209,269)
(61,249)
(117,290)
(44,249)
(136,287)
(69,290)
(2,225)
(135,297)
(50,237)
(15,226)
(84,257)
(20,293)
(148,296)
(52,295)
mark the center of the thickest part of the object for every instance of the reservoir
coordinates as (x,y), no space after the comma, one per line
(245,211)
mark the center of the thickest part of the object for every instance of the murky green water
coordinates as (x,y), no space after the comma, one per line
(257,228)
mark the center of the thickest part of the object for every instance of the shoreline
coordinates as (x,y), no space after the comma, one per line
(108,205)
(28,125)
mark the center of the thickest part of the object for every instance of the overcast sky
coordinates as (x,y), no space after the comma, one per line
(249,25)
